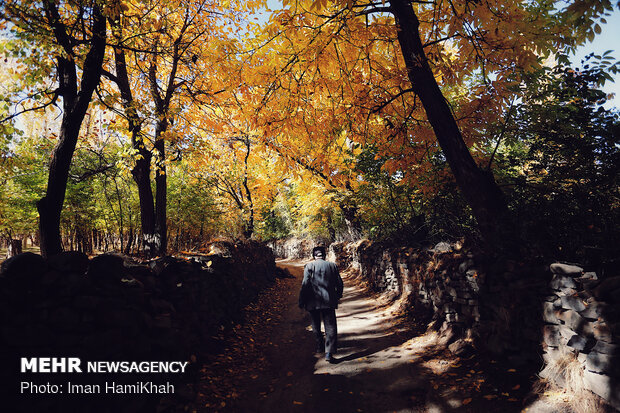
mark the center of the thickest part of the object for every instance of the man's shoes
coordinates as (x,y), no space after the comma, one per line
(329,358)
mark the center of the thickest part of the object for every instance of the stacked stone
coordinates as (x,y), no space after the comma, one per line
(354,251)
(450,291)
(386,278)
(378,265)
(452,294)
(582,319)
(341,253)
(510,310)
(580,315)
(114,308)
(502,313)
(292,248)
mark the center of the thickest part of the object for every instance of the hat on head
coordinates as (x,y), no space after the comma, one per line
(318,252)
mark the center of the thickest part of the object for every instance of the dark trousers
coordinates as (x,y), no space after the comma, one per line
(331,331)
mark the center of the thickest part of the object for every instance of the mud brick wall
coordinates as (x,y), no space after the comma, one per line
(582,319)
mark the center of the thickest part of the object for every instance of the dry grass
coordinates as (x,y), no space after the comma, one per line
(564,387)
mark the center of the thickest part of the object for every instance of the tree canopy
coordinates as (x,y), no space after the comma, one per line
(163,124)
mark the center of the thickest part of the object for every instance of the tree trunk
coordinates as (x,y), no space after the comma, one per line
(141,175)
(161,112)
(141,171)
(14,248)
(161,229)
(330,225)
(50,206)
(478,187)
(351,219)
(162,106)
(129,244)
(248,224)
(75,105)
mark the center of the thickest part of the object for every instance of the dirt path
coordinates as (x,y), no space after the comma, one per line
(381,367)
(371,372)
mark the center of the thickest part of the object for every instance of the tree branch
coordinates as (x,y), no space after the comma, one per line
(392,99)
(382,9)
(43,106)
(90,172)
(109,75)
(501,135)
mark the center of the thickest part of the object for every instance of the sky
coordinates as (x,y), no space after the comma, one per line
(609,39)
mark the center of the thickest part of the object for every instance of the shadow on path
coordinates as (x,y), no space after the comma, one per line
(381,366)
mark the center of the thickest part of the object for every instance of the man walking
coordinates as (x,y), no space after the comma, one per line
(320,292)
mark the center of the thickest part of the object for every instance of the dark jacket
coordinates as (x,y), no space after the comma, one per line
(321,287)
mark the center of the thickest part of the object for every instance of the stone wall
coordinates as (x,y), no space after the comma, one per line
(114,308)
(499,313)
(444,280)
(528,313)
(582,327)
(382,268)
(292,248)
